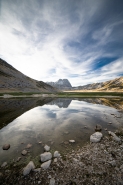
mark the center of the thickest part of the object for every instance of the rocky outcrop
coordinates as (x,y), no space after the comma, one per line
(12,80)
(62,84)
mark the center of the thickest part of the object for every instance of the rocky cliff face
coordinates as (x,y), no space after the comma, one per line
(62,84)
(12,80)
(111,85)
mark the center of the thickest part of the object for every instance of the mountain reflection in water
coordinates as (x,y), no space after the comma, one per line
(54,121)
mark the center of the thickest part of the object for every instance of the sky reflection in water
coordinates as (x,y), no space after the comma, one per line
(54,123)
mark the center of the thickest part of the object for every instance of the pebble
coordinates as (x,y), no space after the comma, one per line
(52,181)
(114,136)
(6,146)
(4,164)
(71,141)
(55,160)
(56,154)
(46,148)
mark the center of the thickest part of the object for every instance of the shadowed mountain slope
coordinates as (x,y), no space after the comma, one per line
(12,80)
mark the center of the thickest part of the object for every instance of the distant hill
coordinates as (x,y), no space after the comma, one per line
(111,85)
(61,84)
(12,80)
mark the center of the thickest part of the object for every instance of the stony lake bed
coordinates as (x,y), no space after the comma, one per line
(65,125)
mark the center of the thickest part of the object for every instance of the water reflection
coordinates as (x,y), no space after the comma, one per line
(43,120)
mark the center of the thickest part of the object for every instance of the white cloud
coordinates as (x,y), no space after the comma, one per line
(35,40)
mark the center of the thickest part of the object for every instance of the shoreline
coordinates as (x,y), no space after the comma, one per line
(95,163)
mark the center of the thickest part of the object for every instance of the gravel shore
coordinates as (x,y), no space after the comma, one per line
(96,163)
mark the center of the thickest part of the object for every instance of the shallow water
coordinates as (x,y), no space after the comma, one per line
(53,122)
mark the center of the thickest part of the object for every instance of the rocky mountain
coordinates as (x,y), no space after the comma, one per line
(111,85)
(61,102)
(12,80)
(62,84)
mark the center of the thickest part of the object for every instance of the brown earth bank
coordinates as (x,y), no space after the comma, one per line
(94,164)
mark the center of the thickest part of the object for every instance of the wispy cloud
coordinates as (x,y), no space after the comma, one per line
(48,40)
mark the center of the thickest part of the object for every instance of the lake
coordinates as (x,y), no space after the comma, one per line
(54,122)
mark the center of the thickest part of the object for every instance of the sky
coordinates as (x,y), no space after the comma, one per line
(79,40)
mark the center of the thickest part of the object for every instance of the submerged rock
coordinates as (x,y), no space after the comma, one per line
(98,128)
(29,146)
(30,166)
(6,146)
(96,137)
(45,156)
(46,165)
(18,159)
(24,152)
(47,148)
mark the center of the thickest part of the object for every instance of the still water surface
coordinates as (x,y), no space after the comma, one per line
(54,122)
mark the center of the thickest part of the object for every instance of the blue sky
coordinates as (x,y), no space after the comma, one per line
(81,40)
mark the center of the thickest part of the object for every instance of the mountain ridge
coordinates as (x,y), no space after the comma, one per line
(110,85)
(12,80)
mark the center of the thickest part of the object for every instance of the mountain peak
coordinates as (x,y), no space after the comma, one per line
(62,84)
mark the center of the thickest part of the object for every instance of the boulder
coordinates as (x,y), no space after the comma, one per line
(45,156)
(30,166)
(98,128)
(96,137)
(56,154)
(47,148)
(46,165)
(6,146)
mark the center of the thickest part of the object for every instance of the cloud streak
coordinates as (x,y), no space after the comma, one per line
(48,40)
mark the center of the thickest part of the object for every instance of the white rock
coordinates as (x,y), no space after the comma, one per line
(46,165)
(4,164)
(30,166)
(56,154)
(55,160)
(71,141)
(96,137)
(52,181)
(45,156)
(46,148)
(114,136)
